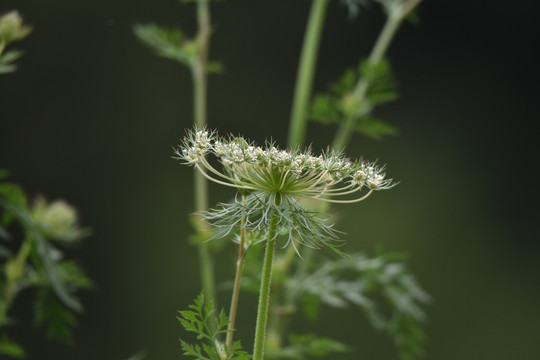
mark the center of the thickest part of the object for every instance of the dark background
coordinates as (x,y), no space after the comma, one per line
(90,116)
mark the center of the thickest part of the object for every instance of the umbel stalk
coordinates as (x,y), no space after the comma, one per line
(264,294)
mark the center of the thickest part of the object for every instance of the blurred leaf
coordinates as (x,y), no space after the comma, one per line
(364,282)
(311,306)
(72,275)
(354,6)
(301,346)
(6,69)
(325,110)
(214,67)
(346,83)
(141,355)
(14,198)
(11,349)
(374,128)
(382,85)
(6,61)
(345,100)
(10,56)
(163,42)
(50,314)
(44,251)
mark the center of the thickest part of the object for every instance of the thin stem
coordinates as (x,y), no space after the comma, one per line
(221,182)
(306,70)
(264,295)
(14,272)
(393,21)
(340,201)
(237,280)
(199,114)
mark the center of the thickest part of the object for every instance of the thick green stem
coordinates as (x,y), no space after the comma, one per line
(264,295)
(306,70)
(237,282)
(199,96)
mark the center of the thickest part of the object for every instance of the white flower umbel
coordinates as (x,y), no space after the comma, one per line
(273,180)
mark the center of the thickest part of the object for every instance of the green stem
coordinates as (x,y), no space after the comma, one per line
(14,272)
(2,47)
(264,295)
(237,282)
(199,113)
(393,21)
(306,70)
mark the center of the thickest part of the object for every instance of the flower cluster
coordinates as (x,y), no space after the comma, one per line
(272,181)
(249,167)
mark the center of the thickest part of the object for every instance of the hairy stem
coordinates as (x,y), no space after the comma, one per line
(393,21)
(306,70)
(264,295)
(237,282)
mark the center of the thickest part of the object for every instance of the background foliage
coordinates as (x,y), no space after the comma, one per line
(90,116)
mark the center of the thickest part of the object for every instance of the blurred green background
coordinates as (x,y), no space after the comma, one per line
(91,115)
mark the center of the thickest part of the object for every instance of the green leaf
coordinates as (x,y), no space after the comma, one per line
(167,43)
(7,59)
(10,56)
(387,292)
(141,355)
(374,128)
(312,305)
(6,69)
(14,199)
(44,250)
(11,349)
(50,314)
(382,85)
(344,102)
(325,110)
(345,84)
(70,274)
(214,67)
(197,320)
(301,346)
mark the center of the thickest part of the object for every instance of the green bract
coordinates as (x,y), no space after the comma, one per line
(272,181)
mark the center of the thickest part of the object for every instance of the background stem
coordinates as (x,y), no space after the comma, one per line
(264,295)
(306,71)
(393,21)
(14,272)
(199,114)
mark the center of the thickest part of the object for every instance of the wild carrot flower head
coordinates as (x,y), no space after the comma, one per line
(271,181)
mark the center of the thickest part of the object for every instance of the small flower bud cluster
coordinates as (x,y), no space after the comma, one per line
(371,176)
(12,28)
(197,144)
